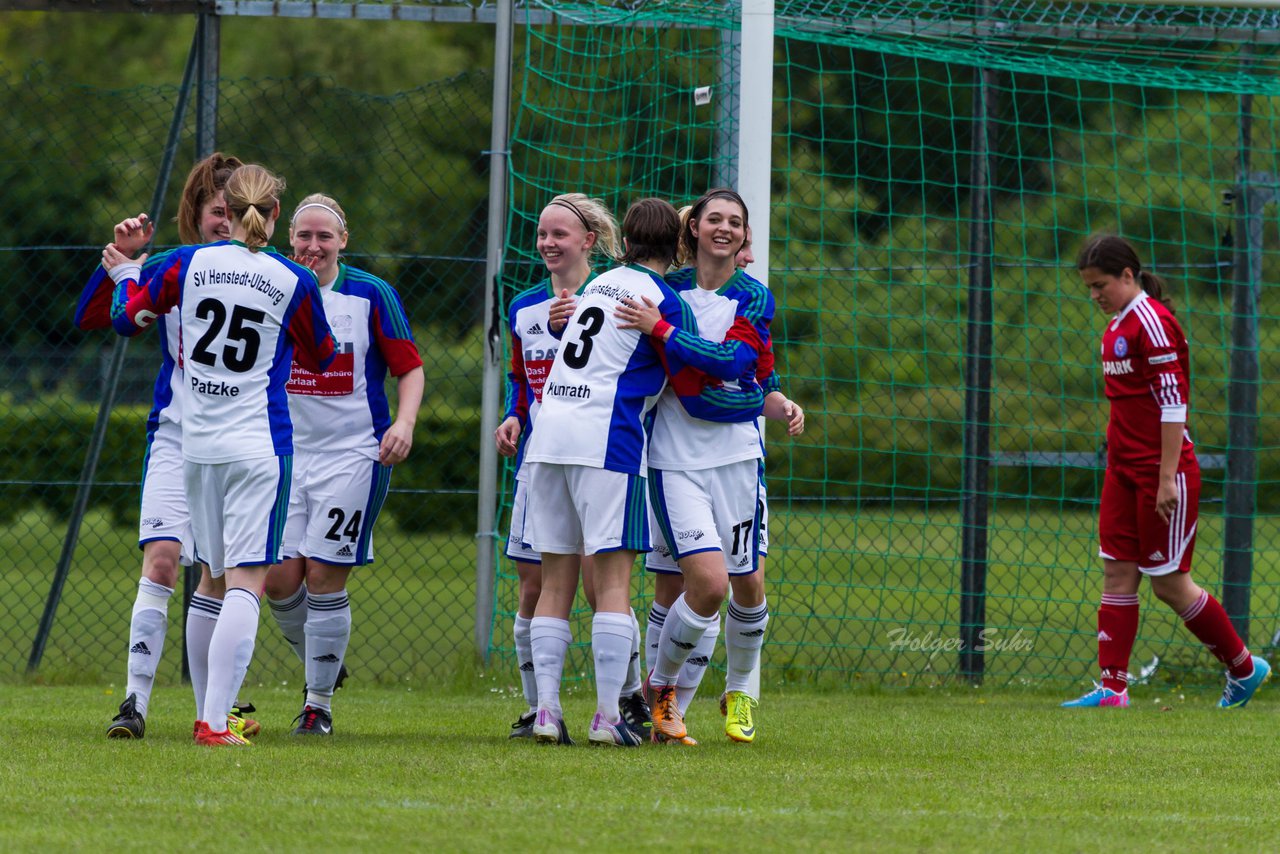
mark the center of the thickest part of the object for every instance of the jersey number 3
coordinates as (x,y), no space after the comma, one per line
(577,352)
(237,358)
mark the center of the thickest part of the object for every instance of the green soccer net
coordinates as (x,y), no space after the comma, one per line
(1137,119)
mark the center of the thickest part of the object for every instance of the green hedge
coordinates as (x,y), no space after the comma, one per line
(42,450)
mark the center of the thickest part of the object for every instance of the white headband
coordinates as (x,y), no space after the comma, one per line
(342,222)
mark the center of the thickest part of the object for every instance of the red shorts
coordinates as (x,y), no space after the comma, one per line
(1130,528)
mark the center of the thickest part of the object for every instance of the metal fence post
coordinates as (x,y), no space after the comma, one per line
(486,504)
(977,404)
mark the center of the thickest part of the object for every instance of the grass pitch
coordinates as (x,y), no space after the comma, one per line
(951,769)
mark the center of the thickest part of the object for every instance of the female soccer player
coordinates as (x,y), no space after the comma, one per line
(1151,491)
(586,461)
(705,477)
(165,521)
(748,611)
(573,230)
(245,312)
(345,444)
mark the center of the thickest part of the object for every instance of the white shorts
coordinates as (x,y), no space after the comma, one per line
(333,506)
(716,509)
(238,510)
(164,514)
(580,509)
(517,548)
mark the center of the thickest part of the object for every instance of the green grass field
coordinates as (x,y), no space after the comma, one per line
(866,770)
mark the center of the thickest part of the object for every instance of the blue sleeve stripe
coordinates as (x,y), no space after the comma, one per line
(393,309)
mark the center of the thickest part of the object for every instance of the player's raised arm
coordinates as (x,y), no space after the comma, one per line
(308,328)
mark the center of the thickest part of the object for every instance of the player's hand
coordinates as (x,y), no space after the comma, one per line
(794,416)
(133,233)
(1167,498)
(308,261)
(634,315)
(112,257)
(396,443)
(561,310)
(507,436)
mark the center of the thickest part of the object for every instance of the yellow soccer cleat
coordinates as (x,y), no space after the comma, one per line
(739,720)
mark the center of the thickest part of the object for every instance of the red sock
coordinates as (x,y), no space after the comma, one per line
(1208,621)
(1117,629)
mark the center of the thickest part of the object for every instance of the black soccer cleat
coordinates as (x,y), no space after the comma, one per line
(635,711)
(523,727)
(313,721)
(128,723)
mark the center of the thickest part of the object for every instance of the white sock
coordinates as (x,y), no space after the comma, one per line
(695,666)
(524,662)
(291,617)
(634,677)
(652,632)
(680,634)
(230,651)
(549,639)
(612,636)
(743,637)
(202,618)
(146,640)
(328,632)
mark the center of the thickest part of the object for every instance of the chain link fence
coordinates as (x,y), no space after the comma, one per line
(409,170)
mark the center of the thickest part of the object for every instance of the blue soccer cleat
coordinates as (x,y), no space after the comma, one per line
(1239,692)
(1100,697)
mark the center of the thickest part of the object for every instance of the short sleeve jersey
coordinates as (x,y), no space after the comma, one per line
(680,441)
(345,408)
(604,379)
(1145,367)
(242,315)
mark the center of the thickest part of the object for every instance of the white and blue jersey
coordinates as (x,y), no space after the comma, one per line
(244,317)
(94,312)
(731,341)
(605,378)
(345,408)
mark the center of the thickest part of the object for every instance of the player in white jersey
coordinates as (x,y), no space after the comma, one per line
(705,477)
(586,462)
(164,533)
(345,444)
(748,616)
(245,313)
(573,230)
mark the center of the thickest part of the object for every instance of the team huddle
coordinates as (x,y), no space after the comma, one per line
(271,442)
(637,394)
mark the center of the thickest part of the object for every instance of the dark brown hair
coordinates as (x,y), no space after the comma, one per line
(650,227)
(204,181)
(1112,255)
(689,243)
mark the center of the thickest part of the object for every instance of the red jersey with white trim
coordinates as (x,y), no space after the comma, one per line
(345,408)
(1145,367)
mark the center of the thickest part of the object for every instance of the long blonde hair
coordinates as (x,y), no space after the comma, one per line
(252,195)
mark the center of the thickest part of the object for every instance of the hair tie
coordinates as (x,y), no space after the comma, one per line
(571,206)
(342,222)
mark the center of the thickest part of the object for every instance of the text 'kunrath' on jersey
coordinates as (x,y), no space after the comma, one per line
(1145,367)
(345,408)
(605,379)
(245,316)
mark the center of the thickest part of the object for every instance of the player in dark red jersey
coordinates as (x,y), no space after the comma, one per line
(1151,492)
